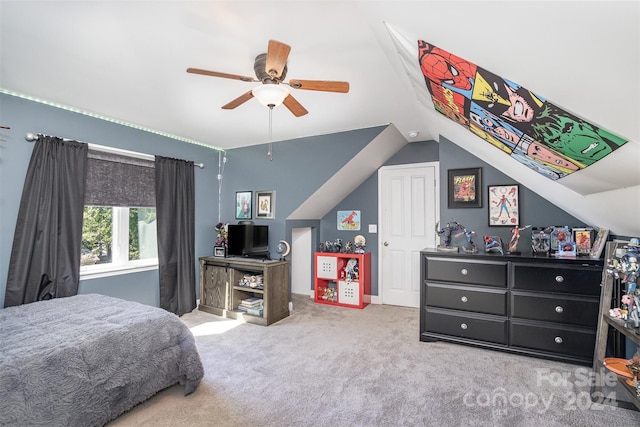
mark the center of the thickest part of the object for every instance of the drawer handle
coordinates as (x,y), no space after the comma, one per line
(559,279)
(463,326)
(559,309)
(464,299)
(464,271)
(558,340)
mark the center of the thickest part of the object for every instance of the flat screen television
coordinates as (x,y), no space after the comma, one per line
(248,240)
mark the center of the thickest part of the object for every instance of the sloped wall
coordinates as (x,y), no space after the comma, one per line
(616,210)
(605,194)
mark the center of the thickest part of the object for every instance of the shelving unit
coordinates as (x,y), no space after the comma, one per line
(221,293)
(342,279)
(605,322)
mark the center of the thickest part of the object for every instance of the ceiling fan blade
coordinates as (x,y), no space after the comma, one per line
(276,58)
(238,101)
(322,85)
(294,106)
(223,75)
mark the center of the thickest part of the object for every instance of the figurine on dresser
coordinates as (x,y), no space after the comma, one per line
(493,244)
(515,238)
(470,247)
(540,240)
(446,234)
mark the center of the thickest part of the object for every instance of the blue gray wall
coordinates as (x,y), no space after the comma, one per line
(534,209)
(27,116)
(365,199)
(299,167)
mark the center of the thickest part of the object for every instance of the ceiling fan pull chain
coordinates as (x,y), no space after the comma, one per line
(270,152)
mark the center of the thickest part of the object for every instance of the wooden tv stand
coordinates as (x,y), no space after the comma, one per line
(221,293)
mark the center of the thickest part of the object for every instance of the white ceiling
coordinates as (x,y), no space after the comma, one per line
(127,60)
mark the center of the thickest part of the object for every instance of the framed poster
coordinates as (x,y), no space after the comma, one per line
(349,220)
(265,204)
(243,204)
(504,206)
(465,188)
(583,237)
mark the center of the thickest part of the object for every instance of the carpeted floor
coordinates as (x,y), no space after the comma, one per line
(334,366)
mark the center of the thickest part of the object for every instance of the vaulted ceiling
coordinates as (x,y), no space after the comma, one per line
(127,61)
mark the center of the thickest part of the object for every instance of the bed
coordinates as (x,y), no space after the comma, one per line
(84,360)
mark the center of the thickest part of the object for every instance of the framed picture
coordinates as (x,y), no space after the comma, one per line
(465,188)
(243,204)
(504,206)
(349,220)
(266,204)
(567,249)
(559,236)
(583,237)
(219,251)
(599,242)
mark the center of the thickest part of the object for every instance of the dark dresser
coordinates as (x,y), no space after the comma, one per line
(538,306)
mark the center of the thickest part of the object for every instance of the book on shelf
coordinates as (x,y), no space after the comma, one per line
(251,301)
(255,311)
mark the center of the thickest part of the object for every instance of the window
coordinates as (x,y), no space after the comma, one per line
(118,238)
(119,224)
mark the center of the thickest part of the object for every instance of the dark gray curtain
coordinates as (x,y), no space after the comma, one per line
(175,210)
(45,256)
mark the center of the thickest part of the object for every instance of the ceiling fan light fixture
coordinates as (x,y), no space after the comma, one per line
(270,95)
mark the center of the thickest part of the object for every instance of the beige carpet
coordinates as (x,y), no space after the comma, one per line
(333,366)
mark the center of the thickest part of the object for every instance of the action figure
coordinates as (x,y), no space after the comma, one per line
(493,244)
(540,240)
(515,238)
(445,233)
(471,247)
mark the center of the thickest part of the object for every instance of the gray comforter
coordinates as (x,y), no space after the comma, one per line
(84,360)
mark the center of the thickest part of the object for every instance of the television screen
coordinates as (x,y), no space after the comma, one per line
(248,240)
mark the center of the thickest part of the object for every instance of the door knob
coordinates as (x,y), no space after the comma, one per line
(386,243)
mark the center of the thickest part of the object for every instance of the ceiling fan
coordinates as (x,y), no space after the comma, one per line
(271,70)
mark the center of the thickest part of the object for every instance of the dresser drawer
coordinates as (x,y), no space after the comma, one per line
(482,328)
(490,301)
(566,341)
(580,280)
(486,273)
(575,311)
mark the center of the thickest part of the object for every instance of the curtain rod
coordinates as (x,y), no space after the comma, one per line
(32,137)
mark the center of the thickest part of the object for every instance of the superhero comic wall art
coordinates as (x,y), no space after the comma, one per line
(523,124)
